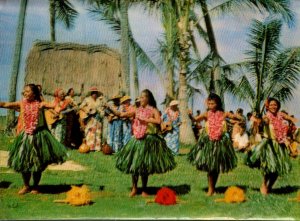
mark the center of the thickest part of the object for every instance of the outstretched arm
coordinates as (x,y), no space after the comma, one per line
(47,104)
(10,105)
(199,117)
(233,116)
(287,117)
(127,114)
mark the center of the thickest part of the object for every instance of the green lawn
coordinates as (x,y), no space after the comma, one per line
(110,189)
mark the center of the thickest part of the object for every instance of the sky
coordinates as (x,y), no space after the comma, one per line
(230,30)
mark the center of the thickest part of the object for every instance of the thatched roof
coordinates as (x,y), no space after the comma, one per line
(66,65)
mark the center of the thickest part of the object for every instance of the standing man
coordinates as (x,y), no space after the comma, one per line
(170,126)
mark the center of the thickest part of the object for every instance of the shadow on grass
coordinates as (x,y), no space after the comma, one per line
(5,184)
(222,189)
(282,190)
(179,189)
(56,189)
(285,189)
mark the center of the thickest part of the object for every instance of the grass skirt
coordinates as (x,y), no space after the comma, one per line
(145,156)
(270,157)
(213,156)
(33,153)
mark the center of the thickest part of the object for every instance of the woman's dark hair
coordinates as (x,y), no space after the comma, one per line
(151,99)
(217,99)
(36,91)
(273,99)
(69,91)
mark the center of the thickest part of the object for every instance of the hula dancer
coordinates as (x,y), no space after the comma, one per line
(35,147)
(145,153)
(214,152)
(271,155)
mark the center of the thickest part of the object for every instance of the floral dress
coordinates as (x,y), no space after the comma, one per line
(214,151)
(115,137)
(93,127)
(35,147)
(172,137)
(146,152)
(126,125)
(271,155)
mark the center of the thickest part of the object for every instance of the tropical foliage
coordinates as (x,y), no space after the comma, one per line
(186,67)
(63,11)
(269,70)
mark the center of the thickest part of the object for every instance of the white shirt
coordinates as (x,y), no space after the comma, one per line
(242,140)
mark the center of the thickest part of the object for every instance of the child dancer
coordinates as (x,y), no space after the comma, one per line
(145,153)
(271,155)
(214,152)
(34,148)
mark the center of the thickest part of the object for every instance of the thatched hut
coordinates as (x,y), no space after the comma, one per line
(66,65)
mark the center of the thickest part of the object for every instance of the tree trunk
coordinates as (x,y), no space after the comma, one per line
(16,63)
(170,87)
(186,132)
(125,44)
(215,73)
(52,20)
(135,73)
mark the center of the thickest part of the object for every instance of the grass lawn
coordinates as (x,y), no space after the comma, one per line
(110,189)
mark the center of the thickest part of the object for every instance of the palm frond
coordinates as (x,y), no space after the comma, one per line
(244,91)
(278,7)
(285,73)
(65,12)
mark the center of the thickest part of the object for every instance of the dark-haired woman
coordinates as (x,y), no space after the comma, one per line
(145,153)
(35,147)
(73,135)
(271,155)
(214,152)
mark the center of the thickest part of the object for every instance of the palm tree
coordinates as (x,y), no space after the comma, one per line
(268,70)
(281,7)
(184,9)
(110,13)
(124,23)
(16,63)
(63,11)
(168,46)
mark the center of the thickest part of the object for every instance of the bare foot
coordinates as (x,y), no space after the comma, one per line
(144,194)
(264,190)
(210,192)
(24,190)
(35,191)
(133,192)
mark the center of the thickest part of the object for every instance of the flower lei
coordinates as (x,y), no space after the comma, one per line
(30,115)
(280,129)
(139,128)
(215,125)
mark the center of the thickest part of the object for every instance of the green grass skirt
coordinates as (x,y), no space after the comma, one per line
(270,157)
(145,156)
(213,156)
(33,153)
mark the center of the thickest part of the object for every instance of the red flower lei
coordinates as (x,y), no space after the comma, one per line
(139,129)
(165,196)
(215,125)
(30,115)
(280,128)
